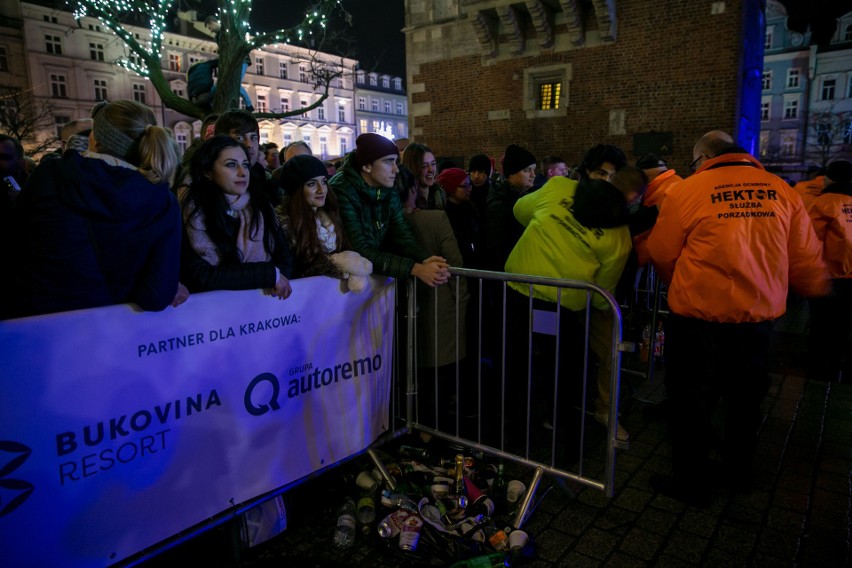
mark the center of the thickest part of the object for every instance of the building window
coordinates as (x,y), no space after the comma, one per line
(791,108)
(174,62)
(788,144)
(376,126)
(823,134)
(767,80)
(764,110)
(4,60)
(374,105)
(362,103)
(178,92)
(847,133)
(50,19)
(60,120)
(96,51)
(386,82)
(258,66)
(135,59)
(323,146)
(548,96)
(139,93)
(400,109)
(359,77)
(282,69)
(181,139)
(53,44)
(341,113)
(373,81)
(400,129)
(767,39)
(100,90)
(344,147)
(303,74)
(827,93)
(285,104)
(362,125)
(387,107)
(847,35)
(94,28)
(193,60)
(849,88)
(397,84)
(261,103)
(320,113)
(304,103)
(288,139)
(792,78)
(57,85)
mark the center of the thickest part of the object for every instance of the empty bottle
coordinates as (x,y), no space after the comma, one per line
(486,561)
(344,534)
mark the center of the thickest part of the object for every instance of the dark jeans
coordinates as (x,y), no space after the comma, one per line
(708,362)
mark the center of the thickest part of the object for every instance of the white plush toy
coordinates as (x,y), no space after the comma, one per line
(355,268)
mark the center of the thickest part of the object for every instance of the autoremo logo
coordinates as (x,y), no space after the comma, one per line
(13,492)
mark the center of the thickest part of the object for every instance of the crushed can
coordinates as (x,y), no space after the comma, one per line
(391,525)
(410,533)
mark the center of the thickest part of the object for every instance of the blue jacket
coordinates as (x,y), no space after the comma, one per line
(89,233)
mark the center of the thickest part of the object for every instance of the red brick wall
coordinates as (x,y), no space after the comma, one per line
(673,68)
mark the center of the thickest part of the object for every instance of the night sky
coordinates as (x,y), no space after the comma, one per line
(378,42)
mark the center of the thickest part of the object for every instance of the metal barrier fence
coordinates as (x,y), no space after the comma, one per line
(509,375)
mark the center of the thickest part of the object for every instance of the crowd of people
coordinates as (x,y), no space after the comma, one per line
(119,216)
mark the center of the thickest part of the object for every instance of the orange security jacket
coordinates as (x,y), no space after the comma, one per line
(654,195)
(831,214)
(810,189)
(730,238)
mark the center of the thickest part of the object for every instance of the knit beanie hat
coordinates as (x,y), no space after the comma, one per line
(839,171)
(451,178)
(650,161)
(516,159)
(298,170)
(108,136)
(480,163)
(370,146)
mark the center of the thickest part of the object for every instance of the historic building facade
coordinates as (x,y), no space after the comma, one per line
(558,76)
(380,104)
(73,65)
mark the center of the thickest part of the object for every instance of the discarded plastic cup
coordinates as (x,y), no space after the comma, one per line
(515,490)
(366,481)
(518,539)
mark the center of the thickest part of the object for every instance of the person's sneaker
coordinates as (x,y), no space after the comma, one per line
(667,485)
(621,434)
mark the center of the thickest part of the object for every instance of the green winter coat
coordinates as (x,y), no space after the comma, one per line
(374,224)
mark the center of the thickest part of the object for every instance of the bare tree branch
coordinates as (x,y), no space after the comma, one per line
(26,118)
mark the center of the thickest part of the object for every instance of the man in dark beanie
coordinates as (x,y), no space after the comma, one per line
(479,170)
(372,213)
(502,230)
(831,316)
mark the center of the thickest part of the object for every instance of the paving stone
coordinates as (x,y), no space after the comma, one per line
(577,560)
(785,520)
(575,519)
(618,560)
(551,544)
(773,543)
(744,514)
(633,499)
(723,559)
(597,544)
(735,538)
(697,522)
(642,543)
(615,520)
(686,546)
(656,520)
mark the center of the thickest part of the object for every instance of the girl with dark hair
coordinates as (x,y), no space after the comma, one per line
(420,161)
(232,238)
(311,218)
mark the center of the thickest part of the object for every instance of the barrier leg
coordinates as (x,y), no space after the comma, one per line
(525,504)
(382,469)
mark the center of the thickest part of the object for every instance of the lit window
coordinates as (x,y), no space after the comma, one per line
(344,146)
(258,66)
(261,103)
(362,103)
(341,113)
(548,95)
(374,105)
(323,146)
(766,80)
(397,84)
(174,62)
(764,110)
(282,70)
(362,125)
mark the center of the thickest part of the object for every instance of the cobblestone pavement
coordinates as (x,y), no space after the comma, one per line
(799,514)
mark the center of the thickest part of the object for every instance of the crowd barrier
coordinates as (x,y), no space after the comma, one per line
(505,410)
(120,429)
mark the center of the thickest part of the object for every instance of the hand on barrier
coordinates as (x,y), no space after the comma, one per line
(181,295)
(433,272)
(282,288)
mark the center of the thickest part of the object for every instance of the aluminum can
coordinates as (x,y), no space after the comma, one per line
(410,533)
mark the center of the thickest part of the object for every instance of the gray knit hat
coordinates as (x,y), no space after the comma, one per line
(108,136)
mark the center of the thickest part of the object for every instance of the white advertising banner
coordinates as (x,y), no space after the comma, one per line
(119,428)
